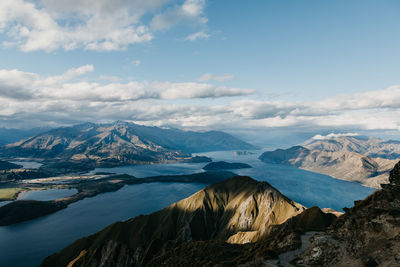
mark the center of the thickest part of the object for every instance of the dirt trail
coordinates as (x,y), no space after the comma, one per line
(287,257)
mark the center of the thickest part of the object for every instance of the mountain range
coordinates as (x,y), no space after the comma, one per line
(120,143)
(360,159)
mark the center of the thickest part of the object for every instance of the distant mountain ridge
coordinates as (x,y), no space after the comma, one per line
(8,136)
(368,146)
(121,142)
(361,159)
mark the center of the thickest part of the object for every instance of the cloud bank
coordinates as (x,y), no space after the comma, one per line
(99,25)
(19,85)
(28,98)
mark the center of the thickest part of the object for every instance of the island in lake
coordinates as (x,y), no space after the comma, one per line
(223,165)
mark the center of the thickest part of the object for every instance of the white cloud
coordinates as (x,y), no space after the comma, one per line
(197,36)
(191,11)
(30,98)
(90,24)
(24,85)
(332,136)
(221,78)
(386,98)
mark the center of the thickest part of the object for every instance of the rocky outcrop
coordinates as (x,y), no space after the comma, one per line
(366,235)
(346,158)
(394,177)
(236,211)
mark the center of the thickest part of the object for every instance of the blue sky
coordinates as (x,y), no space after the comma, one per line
(320,65)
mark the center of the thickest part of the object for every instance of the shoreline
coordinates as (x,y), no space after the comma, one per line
(15,212)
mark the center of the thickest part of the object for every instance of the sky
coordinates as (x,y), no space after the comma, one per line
(246,66)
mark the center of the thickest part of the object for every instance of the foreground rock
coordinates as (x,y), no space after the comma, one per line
(222,165)
(367,235)
(348,158)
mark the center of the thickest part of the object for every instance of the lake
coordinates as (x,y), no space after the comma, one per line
(27,164)
(26,244)
(307,188)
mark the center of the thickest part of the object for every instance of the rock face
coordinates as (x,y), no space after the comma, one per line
(366,235)
(120,143)
(367,161)
(222,165)
(394,177)
(236,211)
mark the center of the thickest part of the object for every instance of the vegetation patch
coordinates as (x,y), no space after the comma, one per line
(9,193)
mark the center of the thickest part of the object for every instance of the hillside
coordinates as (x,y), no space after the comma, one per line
(120,143)
(368,146)
(237,211)
(8,136)
(367,235)
(5,165)
(364,160)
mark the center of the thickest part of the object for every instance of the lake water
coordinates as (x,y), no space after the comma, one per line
(26,244)
(45,195)
(307,188)
(28,164)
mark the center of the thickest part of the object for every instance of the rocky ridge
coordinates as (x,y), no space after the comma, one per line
(366,235)
(348,158)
